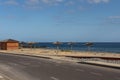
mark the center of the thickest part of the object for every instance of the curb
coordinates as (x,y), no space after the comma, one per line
(102,65)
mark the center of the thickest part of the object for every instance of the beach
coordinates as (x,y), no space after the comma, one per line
(51,52)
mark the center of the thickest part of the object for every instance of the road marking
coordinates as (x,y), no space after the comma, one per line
(95,73)
(80,70)
(54,78)
(1,77)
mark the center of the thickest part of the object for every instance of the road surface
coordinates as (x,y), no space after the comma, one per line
(17,67)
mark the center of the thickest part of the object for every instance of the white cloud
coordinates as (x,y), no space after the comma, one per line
(11,2)
(69,3)
(44,3)
(98,1)
(114,17)
(32,2)
(32,7)
(81,8)
(52,1)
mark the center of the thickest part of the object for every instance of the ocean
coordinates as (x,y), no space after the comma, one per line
(113,47)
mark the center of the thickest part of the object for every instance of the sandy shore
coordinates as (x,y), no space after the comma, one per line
(61,53)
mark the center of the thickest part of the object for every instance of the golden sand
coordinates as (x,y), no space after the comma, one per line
(60,53)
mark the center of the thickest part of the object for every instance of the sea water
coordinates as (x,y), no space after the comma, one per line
(80,46)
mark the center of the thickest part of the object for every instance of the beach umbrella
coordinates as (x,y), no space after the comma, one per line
(89,44)
(31,44)
(57,43)
(71,44)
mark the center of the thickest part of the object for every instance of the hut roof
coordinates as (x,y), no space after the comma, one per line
(9,40)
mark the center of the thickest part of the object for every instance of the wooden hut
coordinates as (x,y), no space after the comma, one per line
(9,44)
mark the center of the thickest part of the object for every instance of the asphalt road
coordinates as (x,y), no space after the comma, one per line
(17,67)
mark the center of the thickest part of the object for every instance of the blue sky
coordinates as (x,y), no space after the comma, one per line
(60,20)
